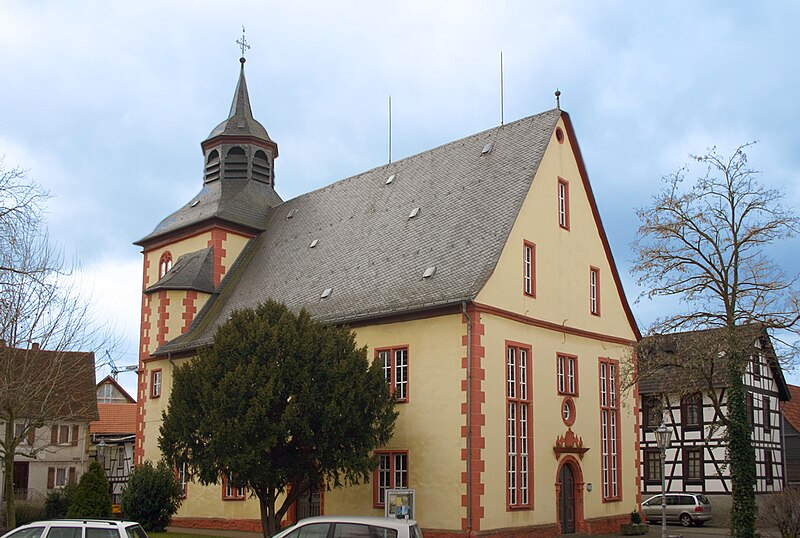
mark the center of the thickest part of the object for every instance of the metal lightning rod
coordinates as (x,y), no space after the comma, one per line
(502,103)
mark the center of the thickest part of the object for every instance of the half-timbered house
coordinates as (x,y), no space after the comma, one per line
(691,400)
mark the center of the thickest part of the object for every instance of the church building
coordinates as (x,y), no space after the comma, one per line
(480,276)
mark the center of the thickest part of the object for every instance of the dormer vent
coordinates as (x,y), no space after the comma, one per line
(429,272)
(313,243)
(390,179)
(414,213)
(487,148)
(291,213)
(326,293)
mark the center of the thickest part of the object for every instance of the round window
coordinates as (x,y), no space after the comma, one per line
(568,411)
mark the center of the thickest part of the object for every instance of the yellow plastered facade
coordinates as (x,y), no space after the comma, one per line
(430,425)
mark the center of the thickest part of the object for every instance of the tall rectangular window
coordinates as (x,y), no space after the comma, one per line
(652,466)
(594,290)
(563,203)
(155,384)
(529,269)
(693,465)
(392,473)
(183,478)
(609,428)
(767,414)
(518,426)
(692,411)
(768,470)
(395,370)
(567,374)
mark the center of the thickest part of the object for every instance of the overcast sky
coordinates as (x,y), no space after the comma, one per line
(106,103)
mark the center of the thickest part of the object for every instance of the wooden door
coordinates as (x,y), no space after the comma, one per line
(566,500)
(21,480)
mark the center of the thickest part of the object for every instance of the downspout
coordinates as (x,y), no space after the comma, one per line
(469,416)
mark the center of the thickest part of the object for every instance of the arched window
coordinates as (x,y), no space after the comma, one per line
(212,166)
(236,164)
(261,167)
(165,264)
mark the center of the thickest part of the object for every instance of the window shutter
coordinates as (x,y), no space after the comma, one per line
(54,434)
(71,479)
(51,477)
(75,431)
(31,436)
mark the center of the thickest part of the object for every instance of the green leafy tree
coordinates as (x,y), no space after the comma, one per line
(92,497)
(706,245)
(151,496)
(279,400)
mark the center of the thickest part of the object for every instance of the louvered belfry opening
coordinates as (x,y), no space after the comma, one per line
(236,164)
(212,166)
(261,167)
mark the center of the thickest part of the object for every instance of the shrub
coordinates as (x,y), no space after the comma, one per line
(93,495)
(26,512)
(151,496)
(782,511)
(57,501)
(636,518)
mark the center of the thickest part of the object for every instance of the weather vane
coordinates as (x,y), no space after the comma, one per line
(243,43)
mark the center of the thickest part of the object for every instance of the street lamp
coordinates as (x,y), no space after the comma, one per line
(663,438)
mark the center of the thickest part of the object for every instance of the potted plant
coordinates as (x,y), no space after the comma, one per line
(635,527)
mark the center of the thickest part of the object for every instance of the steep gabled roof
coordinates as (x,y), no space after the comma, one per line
(110,380)
(115,418)
(682,362)
(358,238)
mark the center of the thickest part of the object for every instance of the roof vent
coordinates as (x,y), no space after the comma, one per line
(487,148)
(313,243)
(390,179)
(429,272)
(326,293)
(195,202)
(414,213)
(291,213)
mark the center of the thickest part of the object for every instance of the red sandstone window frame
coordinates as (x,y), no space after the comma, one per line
(594,290)
(390,475)
(231,492)
(519,430)
(562,197)
(164,264)
(610,457)
(156,379)
(396,374)
(529,269)
(566,380)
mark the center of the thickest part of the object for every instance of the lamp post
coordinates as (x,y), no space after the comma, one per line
(663,437)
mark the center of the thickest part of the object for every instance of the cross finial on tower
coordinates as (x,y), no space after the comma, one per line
(558,98)
(243,43)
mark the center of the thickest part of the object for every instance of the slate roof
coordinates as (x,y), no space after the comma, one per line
(239,201)
(48,384)
(370,252)
(192,271)
(791,408)
(661,360)
(115,418)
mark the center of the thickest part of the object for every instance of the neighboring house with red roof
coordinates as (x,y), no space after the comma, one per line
(791,429)
(113,435)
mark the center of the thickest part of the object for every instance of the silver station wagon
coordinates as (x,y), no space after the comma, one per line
(683,508)
(351,527)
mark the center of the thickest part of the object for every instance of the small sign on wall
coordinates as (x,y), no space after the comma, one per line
(401,503)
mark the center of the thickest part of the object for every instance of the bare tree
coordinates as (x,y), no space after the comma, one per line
(43,320)
(706,244)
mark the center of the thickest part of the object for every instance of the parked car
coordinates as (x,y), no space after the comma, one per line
(351,527)
(78,528)
(684,508)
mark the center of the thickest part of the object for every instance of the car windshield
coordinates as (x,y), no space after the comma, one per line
(30,532)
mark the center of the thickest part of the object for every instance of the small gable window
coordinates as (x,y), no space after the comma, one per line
(563,203)
(529,269)
(594,291)
(165,264)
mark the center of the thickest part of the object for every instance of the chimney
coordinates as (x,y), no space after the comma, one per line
(35,346)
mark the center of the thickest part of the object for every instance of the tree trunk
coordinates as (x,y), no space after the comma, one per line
(8,482)
(266,504)
(741,454)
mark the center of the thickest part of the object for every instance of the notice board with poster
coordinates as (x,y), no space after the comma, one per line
(401,503)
